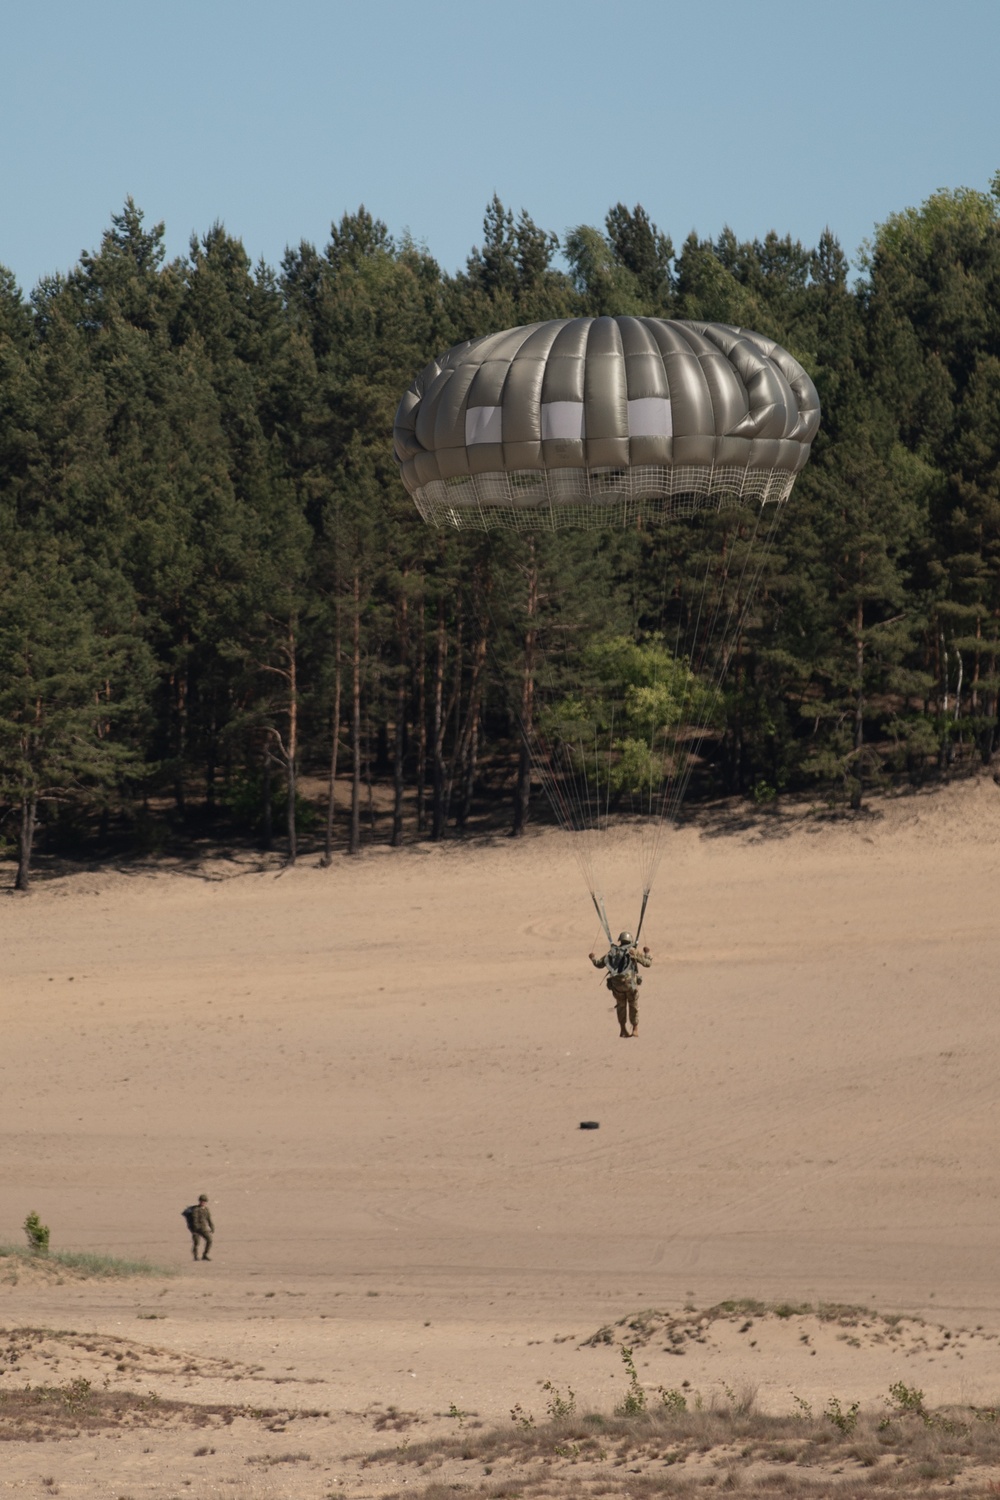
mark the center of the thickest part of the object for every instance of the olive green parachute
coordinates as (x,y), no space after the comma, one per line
(588,421)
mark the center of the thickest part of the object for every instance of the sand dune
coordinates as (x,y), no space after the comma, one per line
(377,1073)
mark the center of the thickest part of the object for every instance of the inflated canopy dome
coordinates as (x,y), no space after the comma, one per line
(588,421)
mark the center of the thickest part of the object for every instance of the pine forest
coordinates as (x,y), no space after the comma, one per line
(222,619)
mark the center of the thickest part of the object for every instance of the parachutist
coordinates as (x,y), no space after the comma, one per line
(624,979)
(614,425)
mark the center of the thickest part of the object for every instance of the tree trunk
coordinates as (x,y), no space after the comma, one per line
(522,794)
(399,747)
(944,756)
(180,735)
(736,746)
(211,754)
(440,657)
(354,846)
(454,707)
(267,829)
(382,761)
(25,841)
(293,741)
(338,678)
(859,667)
(991,712)
(974,685)
(944,677)
(421,723)
(470,734)
(368,777)
(469,779)
(463,747)
(857,786)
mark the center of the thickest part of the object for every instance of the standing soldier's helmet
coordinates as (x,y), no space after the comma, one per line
(625,939)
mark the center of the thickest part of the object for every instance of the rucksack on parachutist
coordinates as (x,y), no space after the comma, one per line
(619,961)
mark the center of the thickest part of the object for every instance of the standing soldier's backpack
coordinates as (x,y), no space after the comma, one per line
(188,1216)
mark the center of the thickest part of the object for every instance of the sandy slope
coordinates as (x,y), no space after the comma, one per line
(377,1073)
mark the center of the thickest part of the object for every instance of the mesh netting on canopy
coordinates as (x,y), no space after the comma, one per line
(590,421)
(550,499)
(629,425)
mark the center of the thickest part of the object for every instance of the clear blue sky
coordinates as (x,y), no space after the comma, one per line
(276,119)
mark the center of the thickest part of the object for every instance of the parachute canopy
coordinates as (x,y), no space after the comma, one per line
(591,421)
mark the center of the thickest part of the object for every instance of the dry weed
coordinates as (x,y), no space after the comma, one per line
(45,1412)
(896,1450)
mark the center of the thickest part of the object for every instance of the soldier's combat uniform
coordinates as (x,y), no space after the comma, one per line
(624,979)
(202,1227)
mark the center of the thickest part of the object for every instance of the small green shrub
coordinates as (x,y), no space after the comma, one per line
(673,1401)
(634,1400)
(558,1405)
(906,1399)
(844,1421)
(38,1234)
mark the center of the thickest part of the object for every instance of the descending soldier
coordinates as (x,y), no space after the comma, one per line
(624,979)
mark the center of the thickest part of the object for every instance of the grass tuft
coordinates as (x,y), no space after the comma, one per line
(84,1263)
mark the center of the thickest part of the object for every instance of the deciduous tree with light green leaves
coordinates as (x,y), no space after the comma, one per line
(618,727)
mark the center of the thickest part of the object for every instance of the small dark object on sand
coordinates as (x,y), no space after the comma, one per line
(590,1124)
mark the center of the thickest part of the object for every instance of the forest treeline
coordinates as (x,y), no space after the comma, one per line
(212,584)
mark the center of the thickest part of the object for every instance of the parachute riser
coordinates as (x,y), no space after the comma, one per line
(599,908)
(642,916)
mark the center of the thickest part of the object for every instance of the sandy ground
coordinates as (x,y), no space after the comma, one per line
(378,1071)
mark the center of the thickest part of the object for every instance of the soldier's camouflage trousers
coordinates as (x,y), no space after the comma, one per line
(626,1002)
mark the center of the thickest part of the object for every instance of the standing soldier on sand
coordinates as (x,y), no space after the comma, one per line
(624,979)
(202,1227)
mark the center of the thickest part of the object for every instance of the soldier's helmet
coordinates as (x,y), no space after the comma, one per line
(625,939)
(203,1198)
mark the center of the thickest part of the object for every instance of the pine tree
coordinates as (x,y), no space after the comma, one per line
(68,695)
